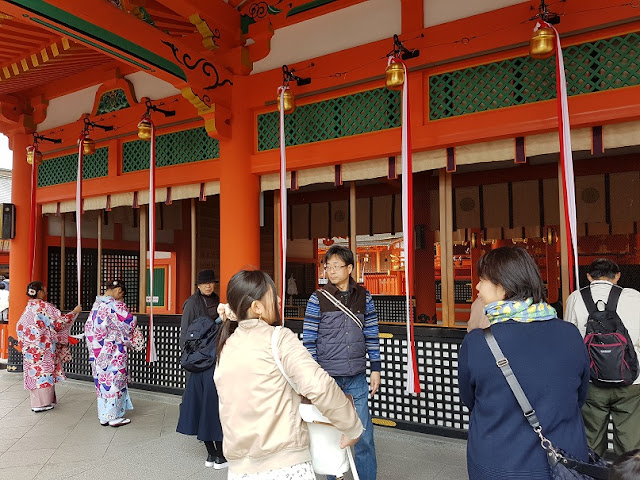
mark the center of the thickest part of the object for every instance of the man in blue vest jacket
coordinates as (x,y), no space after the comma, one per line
(340,343)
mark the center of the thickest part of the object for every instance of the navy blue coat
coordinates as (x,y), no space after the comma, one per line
(199,414)
(551,363)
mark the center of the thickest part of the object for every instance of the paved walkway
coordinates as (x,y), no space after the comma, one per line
(68,442)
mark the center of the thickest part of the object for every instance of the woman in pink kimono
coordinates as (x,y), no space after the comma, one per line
(43,332)
(109,332)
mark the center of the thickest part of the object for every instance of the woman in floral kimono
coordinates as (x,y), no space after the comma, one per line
(42,333)
(109,331)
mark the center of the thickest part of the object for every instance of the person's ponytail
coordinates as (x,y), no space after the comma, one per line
(227,329)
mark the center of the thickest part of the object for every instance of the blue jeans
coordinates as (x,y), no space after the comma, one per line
(365,450)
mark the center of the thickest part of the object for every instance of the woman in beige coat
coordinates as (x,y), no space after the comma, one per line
(265,437)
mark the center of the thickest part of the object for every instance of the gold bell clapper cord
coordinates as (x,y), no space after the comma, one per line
(544,42)
(147,132)
(396,77)
(286,105)
(86,146)
(34,158)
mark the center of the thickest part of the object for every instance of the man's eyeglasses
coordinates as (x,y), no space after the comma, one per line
(334,268)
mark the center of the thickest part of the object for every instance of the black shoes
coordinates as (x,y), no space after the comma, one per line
(217,463)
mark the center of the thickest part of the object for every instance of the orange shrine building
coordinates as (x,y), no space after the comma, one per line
(485,148)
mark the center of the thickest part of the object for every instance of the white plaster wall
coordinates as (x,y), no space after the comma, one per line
(146,85)
(69,108)
(443,11)
(346,28)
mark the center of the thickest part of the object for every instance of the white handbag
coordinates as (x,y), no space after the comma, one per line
(326,455)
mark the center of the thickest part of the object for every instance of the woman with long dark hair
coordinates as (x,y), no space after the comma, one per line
(548,359)
(42,333)
(264,435)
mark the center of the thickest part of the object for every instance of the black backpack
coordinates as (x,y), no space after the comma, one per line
(199,351)
(614,362)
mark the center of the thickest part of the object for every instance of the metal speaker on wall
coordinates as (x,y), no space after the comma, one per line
(543,43)
(394,76)
(8,221)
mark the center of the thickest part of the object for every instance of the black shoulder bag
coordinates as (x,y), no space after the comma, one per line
(563,466)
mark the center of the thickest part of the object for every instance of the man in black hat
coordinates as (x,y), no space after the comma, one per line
(203,303)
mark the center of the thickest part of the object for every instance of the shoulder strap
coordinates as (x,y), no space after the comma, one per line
(505,368)
(588,299)
(614,296)
(276,357)
(337,303)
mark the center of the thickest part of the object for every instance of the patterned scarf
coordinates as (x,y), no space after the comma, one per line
(519,310)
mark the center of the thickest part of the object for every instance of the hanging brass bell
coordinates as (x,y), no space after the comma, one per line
(33,154)
(289,101)
(543,43)
(551,236)
(394,76)
(89,147)
(144,129)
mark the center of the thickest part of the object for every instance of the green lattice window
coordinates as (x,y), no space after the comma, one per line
(171,149)
(112,101)
(64,169)
(590,67)
(362,112)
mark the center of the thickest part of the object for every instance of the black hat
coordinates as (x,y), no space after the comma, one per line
(206,276)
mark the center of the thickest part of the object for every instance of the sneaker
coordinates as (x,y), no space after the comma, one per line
(104,424)
(210,461)
(118,422)
(42,409)
(219,463)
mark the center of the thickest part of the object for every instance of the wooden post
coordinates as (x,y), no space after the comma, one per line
(353,241)
(446,249)
(193,245)
(99,275)
(564,252)
(63,261)
(277,269)
(142,224)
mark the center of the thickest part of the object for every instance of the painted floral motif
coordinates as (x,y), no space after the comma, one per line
(43,333)
(108,332)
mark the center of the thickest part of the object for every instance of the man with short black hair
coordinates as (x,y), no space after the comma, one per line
(340,330)
(622,403)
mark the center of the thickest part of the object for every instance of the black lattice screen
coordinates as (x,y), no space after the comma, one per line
(391,308)
(115,264)
(123,265)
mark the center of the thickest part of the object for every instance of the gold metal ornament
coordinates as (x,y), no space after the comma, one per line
(551,236)
(144,129)
(473,240)
(289,101)
(543,43)
(394,76)
(89,147)
(33,154)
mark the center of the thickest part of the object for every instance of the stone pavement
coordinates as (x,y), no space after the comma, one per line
(69,443)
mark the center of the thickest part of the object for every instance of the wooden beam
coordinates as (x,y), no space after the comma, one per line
(142,225)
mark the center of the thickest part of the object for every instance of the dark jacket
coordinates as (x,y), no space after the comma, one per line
(551,364)
(340,345)
(195,306)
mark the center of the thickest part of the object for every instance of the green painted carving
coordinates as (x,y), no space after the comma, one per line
(171,149)
(362,112)
(590,67)
(112,101)
(64,169)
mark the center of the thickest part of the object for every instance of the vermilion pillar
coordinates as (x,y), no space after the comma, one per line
(19,256)
(239,193)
